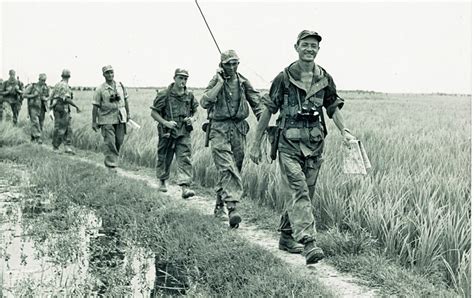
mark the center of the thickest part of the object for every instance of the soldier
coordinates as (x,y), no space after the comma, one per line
(60,101)
(37,95)
(299,92)
(174,109)
(110,113)
(226,98)
(12,92)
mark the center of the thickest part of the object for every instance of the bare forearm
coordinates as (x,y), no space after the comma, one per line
(68,101)
(339,120)
(209,97)
(262,125)
(94,114)
(127,108)
(157,117)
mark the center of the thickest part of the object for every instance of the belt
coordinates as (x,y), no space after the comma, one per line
(291,123)
(235,120)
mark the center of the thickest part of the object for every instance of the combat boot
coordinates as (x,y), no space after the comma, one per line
(234,216)
(163,187)
(219,212)
(312,252)
(186,192)
(288,243)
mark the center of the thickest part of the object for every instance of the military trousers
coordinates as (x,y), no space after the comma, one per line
(299,175)
(37,115)
(14,106)
(227,149)
(62,132)
(113,135)
(168,148)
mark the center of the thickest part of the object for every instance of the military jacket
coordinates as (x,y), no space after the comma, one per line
(174,107)
(13,89)
(227,107)
(110,101)
(42,94)
(297,134)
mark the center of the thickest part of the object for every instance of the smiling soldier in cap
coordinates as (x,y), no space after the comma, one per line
(300,92)
(60,102)
(227,99)
(110,113)
(37,96)
(174,109)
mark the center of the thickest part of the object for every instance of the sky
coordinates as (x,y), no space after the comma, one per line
(420,47)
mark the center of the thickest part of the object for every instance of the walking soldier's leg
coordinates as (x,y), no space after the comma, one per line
(164,157)
(298,216)
(15,111)
(61,121)
(109,148)
(120,131)
(183,160)
(34,113)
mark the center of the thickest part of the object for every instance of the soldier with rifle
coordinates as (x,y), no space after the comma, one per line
(60,102)
(174,109)
(37,96)
(12,90)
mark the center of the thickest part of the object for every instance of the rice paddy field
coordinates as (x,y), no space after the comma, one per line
(415,202)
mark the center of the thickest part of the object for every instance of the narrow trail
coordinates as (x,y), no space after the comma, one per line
(342,284)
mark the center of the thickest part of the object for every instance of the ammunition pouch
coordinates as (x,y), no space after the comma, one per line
(306,123)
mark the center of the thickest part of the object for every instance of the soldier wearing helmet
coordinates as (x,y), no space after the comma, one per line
(60,101)
(12,90)
(37,97)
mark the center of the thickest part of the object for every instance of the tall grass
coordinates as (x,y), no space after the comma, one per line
(415,201)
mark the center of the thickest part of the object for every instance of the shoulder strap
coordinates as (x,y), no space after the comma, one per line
(286,91)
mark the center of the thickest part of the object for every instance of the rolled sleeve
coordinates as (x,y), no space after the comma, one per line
(28,90)
(274,100)
(207,102)
(253,98)
(159,102)
(96,100)
(331,100)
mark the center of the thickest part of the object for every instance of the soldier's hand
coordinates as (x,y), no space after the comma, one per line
(219,75)
(78,110)
(51,115)
(170,124)
(348,137)
(255,153)
(95,126)
(189,120)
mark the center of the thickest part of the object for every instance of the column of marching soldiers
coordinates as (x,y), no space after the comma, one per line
(298,93)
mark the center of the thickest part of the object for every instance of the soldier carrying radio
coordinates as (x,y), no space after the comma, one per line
(300,92)
(174,109)
(227,99)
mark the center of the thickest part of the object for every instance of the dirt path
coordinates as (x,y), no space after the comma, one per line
(342,284)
